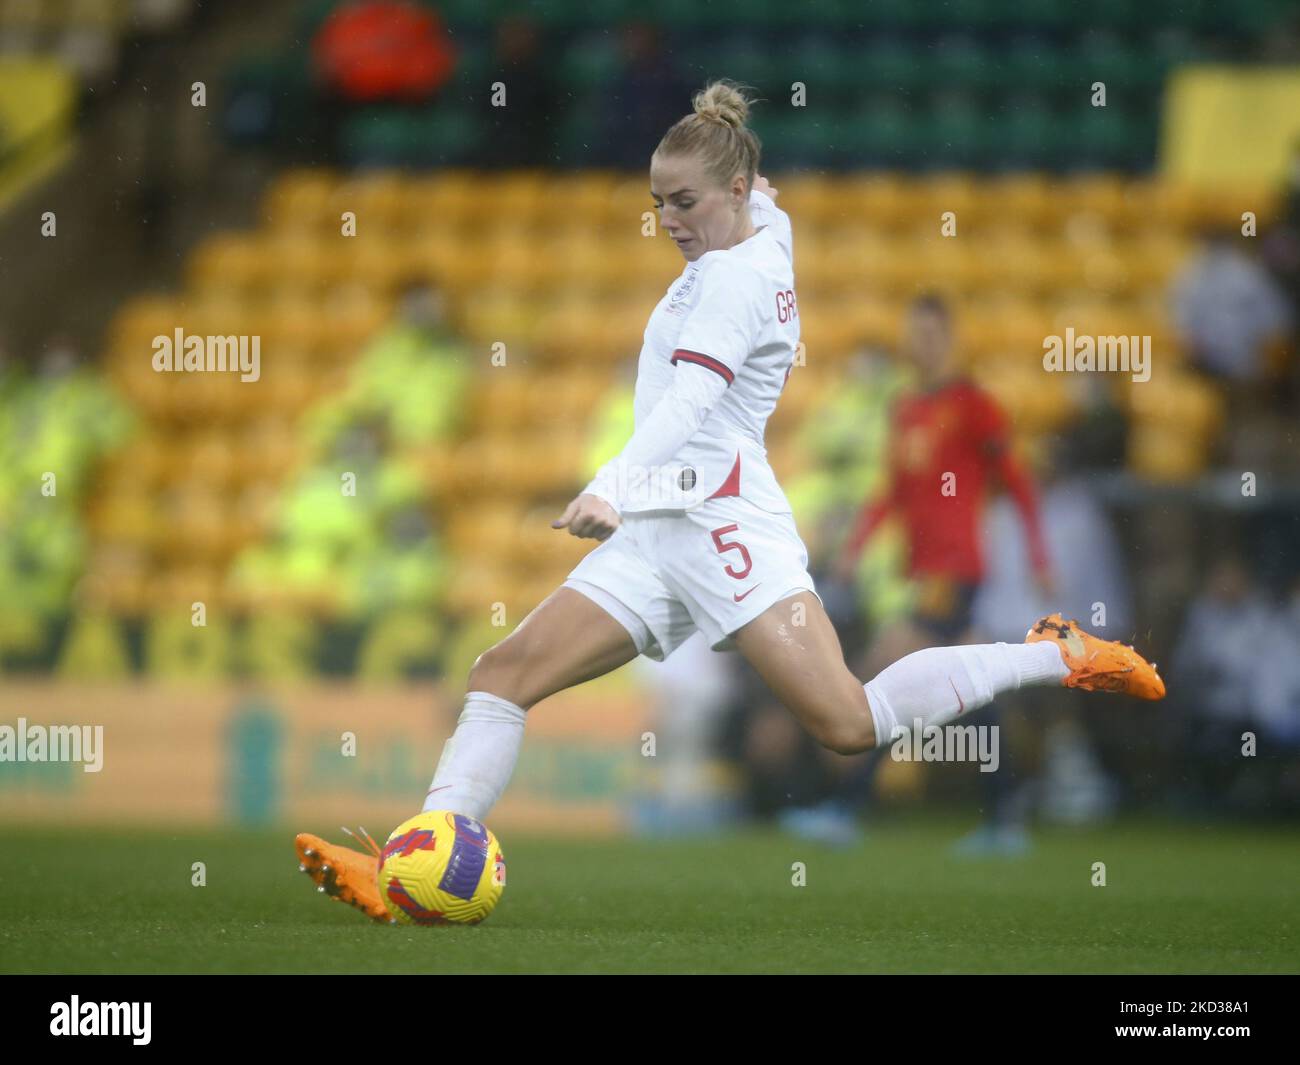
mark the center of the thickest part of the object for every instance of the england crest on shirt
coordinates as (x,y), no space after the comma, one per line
(688,282)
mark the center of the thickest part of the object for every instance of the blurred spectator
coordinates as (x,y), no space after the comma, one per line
(1280,246)
(412,377)
(949,444)
(1278,694)
(1235,671)
(1228,309)
(358,555)
(689,694)
(1060,764)
(948,432)
(641,103)
(614,419)
(369,51)
(522,133)
(845,440)
(1083,553)
(1217,659)
(54,427)
(782,769)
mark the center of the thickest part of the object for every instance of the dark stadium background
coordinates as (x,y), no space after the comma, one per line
(269,593)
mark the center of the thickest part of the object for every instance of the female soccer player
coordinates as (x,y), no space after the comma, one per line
(695,531)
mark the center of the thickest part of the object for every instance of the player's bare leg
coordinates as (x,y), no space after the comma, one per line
(793,647)
(565,641)
(834,819)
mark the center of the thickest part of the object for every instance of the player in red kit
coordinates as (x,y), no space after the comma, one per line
(949,449)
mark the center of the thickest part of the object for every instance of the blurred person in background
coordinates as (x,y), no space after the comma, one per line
(414,375)
(55,426)
(640,101)
(379,548)
(1280,246)
(845,440)
(949,444)
(1232,316)
(1053,738)
(689,694)
(779,767)
(376,51)
(1228,699)
(1280,250)
(522,133)
(369,51)
(1279,709)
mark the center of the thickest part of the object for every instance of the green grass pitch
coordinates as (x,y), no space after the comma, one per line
(1179,898)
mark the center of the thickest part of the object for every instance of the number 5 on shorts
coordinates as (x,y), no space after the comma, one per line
(734,545)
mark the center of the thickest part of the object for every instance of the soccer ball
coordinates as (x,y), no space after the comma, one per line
(441,867)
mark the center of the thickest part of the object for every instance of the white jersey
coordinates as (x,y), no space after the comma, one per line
(733,312)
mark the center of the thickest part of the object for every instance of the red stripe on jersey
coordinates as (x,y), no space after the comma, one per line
(713,364)
(731,486)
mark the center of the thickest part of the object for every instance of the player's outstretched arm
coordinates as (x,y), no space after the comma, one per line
(674,420)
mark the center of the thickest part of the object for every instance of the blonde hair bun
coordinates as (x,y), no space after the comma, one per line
(723,101)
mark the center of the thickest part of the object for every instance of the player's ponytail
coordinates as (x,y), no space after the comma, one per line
(717,133)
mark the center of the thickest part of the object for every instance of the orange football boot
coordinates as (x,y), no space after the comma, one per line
(1096,664)
(344,874)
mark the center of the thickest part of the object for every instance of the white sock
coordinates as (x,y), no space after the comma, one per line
(939,683)
(479,757)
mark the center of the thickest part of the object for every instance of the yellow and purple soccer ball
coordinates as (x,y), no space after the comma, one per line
(441,867)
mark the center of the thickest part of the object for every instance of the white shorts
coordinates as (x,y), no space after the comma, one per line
(713,568)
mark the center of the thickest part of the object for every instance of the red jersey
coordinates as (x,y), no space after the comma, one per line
(946,447)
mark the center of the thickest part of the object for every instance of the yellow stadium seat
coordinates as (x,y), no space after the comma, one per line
(1018,260)
(884,200)
(142,319)
(1024,199)
(498,315)
(461,195)
(521,194)
(301,199)
(1100,194)
(375,199)
(954,192)
(1035,401)
(236,262)
(1178,400)
(107,15)
(811,200)
(1164,453)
